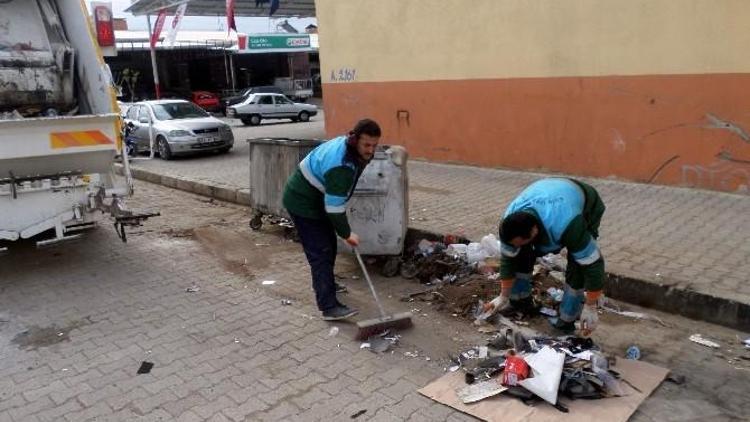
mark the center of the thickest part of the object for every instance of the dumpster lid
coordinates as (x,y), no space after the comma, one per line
(286,141)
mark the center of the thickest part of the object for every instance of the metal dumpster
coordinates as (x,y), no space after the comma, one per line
(377,211)
(272,161)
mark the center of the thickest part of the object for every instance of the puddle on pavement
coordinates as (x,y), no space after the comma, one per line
(236,251)
(35,336)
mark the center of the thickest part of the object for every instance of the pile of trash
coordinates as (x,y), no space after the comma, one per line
(461,275)
(537,367)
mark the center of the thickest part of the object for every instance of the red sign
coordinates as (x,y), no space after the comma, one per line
(158,27)
(105,32)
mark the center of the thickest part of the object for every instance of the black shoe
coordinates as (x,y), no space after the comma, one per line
(339,312)
(564,326)
(340,288)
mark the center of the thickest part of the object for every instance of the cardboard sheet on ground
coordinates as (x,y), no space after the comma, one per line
(644,376)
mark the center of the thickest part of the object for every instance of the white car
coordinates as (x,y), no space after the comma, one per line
(257,107)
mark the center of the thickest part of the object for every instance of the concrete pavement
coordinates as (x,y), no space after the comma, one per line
(678,249)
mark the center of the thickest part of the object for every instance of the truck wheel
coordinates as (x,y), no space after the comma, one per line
(304,116)
(164,152)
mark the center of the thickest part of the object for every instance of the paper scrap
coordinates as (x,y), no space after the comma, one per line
(268,282)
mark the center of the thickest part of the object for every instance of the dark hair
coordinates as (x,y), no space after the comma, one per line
(517,224)
(367,127)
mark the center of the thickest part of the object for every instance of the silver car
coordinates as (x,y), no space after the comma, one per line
(257,107)
(179,127)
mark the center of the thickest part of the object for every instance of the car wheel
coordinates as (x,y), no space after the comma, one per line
(163,146)
(254,120)
(304,116)
(224,150)
(245,121)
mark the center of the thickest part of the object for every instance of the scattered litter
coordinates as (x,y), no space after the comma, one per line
(355,277)
(427,358)
(414,354)
(556,294)
(746,342)
(286,302)
(333,331)
(454,368)
(546,366)
(557,275)
(268,282)
(548,311)
(262,244)
(60,334)
(482,351)
(236,340)
(379,344)
(364,345)
(145,367)
(633,353)
(676,378)
(486,329)
(696,338)
(65,369)
(634,315)
(358,414)
(193,289)
(479,391)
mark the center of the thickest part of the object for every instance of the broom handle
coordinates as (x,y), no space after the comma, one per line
(369,283)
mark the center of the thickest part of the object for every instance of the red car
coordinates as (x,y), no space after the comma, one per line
(206,100)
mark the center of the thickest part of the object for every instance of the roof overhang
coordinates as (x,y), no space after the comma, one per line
(287,8)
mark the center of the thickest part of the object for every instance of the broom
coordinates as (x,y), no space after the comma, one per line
(371,327)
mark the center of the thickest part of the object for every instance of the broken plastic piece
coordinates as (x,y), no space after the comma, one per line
(633,353)
(193,289)
(548,311)
(268,282)
(479,391)
(358,414)
(546,366)
(696,338)
(556,294)
(286,302)
(145,368)
(333,331)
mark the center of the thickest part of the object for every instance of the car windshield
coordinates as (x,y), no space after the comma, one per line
(173,111)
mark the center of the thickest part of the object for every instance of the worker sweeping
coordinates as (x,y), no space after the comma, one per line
(549,215)
(316,196)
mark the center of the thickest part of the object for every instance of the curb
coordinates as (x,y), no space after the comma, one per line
(648,294)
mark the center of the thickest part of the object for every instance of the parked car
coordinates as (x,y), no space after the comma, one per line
(242,96)
(270,106)
(179,127)
(206,100)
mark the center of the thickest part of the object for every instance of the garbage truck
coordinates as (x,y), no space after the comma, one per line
(59,127)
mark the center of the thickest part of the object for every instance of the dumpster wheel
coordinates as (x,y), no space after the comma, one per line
(391,266)
(256,222)
(409,270)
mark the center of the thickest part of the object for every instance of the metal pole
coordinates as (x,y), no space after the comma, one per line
(231,68)
(226,67)
(154,69)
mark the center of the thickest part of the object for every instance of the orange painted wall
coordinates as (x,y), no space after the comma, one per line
(689,130)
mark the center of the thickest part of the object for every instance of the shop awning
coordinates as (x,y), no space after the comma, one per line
(287,8)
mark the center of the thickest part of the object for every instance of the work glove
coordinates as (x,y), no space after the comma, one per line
(352,240)
(589,319)
(488,309)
